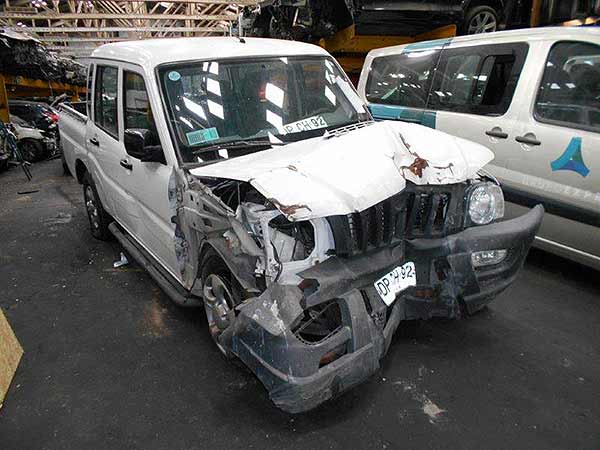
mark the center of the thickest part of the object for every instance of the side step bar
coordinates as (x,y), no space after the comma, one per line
(177,294)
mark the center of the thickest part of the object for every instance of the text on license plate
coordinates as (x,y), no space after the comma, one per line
(396,281)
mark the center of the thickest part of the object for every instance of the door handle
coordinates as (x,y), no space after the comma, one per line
(497,133)
(528,139)
(95,142)
(126,164)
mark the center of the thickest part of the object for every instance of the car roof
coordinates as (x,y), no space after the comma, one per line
(150,53)
(527,34)
(26,102)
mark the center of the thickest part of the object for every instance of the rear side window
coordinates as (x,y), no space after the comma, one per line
(569,93)
(478,80)
(402,80)
(105,99)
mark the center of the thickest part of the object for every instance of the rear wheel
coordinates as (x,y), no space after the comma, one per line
(99,219)
(480,19)
(220,295)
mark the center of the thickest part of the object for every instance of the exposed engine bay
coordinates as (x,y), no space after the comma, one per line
(286,248)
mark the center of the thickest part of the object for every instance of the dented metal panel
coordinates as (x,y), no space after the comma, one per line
(328,176)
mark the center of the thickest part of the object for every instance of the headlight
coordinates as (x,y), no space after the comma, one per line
(486,203)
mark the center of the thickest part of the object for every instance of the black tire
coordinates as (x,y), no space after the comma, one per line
(99,219)
(31,150)
(214,266)
(480,19)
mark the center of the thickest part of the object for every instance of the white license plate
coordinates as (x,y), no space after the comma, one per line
(396,281)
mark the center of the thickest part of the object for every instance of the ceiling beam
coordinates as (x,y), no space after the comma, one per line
(109,16)
(66,29)
(84,39)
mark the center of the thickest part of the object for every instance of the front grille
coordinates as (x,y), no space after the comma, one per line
(416,212)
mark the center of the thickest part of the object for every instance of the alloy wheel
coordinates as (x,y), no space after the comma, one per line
(484,22)
(218,303)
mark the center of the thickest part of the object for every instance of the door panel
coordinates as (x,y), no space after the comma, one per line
(149,182)
(473,93)
(105,149)
(558,137)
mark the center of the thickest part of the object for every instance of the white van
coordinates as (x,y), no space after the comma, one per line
(531,96)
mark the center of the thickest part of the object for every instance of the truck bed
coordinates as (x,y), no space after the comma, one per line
(72,127)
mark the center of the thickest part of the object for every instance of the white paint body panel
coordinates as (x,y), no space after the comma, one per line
(340,175)
(525,167)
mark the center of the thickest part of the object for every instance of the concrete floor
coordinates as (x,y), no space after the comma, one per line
(110,363)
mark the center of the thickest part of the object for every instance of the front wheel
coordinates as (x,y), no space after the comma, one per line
(480,19)
(220,297)
(99,219)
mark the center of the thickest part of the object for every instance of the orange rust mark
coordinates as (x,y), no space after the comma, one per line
(288,210)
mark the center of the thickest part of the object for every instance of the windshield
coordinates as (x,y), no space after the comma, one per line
(219,102)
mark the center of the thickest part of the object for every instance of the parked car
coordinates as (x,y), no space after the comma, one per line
(532,97)
(33,143)
(39,114)
(246,175)
(310,20)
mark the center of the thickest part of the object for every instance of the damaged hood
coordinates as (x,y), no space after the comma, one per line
(339,174)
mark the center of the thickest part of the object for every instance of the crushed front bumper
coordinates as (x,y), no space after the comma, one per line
(300,375)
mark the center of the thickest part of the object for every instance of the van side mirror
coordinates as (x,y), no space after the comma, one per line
(138,143)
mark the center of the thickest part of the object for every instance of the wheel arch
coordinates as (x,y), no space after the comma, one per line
(498,5)
(239,266)
(80,170)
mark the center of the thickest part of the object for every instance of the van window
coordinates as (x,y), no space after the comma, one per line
(105,99)
(569,93)
(478,80)
(403,79)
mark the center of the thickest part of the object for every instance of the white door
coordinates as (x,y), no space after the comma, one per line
(149,181)
(558,142)
(473,93)
(105,149)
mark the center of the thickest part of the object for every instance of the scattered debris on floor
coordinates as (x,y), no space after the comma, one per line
(429,408)
(121,262)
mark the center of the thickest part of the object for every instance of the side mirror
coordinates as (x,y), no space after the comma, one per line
(138,143)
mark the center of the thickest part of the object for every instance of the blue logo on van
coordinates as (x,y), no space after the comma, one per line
(572,159)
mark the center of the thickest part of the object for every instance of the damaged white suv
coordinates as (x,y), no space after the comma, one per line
(247,176)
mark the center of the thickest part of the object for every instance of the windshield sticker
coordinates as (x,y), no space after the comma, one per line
(174,76)
(310,123)
(202,136)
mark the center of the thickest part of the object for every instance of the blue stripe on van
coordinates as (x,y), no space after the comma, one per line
(392,112)
(427,45)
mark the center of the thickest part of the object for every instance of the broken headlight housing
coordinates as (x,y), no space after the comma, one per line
(486,203)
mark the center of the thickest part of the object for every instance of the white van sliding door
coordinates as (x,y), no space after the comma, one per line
(558,141)
(473,92)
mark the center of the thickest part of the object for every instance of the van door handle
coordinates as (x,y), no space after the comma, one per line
(126,164)
(95,142)
(497,133)
(528,139)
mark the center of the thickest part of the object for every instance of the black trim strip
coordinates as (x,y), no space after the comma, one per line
(552,206)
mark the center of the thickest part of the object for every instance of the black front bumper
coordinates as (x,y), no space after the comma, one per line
(292,369)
